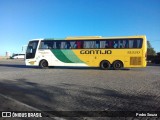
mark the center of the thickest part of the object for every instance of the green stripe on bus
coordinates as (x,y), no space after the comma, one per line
(59,55)
(71,56)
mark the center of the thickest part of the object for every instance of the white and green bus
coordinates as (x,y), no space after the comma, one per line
(91,51)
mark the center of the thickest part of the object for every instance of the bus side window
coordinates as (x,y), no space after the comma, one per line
(97,44)
(110,45)
(79,44)
(49,46)
(45,45)
(68,45)
(131,43)
(54,45)
(107,44)
(102,44)
(63,45)
(139,43)
(73,44)
(90,44)
(115,44)
(125,43)
(86,44)
(58,45)
(121,44)
(135,44)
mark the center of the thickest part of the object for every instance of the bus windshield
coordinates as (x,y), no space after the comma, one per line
(31,49)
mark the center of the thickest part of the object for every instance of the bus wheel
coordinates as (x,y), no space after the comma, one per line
(43,64)
(105,65)
(117,65)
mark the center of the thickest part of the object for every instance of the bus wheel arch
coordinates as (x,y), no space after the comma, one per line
(105,65)
(43,63)
(117,64)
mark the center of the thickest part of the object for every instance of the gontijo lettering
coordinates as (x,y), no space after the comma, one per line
(95,52)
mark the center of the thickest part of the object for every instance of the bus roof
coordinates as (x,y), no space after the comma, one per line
(100,37)
(91,37)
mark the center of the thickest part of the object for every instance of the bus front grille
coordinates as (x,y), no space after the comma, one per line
(135,61)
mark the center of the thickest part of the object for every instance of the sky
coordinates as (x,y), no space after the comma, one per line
(23,20)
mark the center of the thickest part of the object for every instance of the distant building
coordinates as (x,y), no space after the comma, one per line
(8,54)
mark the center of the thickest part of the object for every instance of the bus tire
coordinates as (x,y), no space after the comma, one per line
(43,64)
(105,65)
(117,65)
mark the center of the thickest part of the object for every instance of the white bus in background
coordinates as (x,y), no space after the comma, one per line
(18,56)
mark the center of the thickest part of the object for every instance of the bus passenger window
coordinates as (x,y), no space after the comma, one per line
(125,43)
(68,45)
(79,44)
(54,45)
(58,45)
(87,44)
(135,44)
(73,44)
(115,44)
(139,43)
(46,45)
(93,44)
(121,44)
(110,45)
(131,43)
(102,44)
(97,44)
(63,45)
(106,44)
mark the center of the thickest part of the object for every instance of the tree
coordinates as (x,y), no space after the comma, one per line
(150,50)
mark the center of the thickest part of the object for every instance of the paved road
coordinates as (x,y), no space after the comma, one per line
(78,89)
